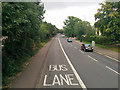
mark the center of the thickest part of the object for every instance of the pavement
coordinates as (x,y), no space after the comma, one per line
(108,53)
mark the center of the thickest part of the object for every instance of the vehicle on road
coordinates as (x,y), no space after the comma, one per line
(69,40)
(63,36)
(87,47)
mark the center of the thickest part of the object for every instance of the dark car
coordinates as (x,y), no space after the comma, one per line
(69,40)
(86,47)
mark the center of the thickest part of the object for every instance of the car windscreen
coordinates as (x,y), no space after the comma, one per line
(87,45)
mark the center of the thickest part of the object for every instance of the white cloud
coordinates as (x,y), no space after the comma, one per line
(57,14)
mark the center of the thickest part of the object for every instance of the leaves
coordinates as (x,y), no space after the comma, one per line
(22,23)
(108,19)
(76,27)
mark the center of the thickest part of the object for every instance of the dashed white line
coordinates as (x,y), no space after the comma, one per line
(81,51)
(73,69)
(112,70)
(92,58)
(75,47)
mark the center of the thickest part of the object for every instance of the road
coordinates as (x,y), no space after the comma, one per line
(67,66)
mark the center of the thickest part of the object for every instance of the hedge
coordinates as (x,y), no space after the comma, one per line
(103,40)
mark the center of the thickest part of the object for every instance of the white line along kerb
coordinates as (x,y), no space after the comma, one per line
(73,69)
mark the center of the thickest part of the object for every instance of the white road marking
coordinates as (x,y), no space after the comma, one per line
(75,47)
(108,56)
(81,51)
(73,69)
(112,70)
(71,45)
(92,58)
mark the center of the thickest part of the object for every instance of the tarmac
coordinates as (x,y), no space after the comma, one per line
(108,53)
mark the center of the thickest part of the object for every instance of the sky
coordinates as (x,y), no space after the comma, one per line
(58,10)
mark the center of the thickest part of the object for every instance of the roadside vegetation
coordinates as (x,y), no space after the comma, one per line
(105,32)
(25,33)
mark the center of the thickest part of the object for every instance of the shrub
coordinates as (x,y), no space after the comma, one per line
(103,40)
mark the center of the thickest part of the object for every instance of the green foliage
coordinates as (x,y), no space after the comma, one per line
(108,20)
(23,25)
(76,27)
(103,40)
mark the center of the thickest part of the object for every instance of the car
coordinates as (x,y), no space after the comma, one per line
(87,47)
(69,40)
(63,36)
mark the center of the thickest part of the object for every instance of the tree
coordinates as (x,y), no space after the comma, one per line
(76,27)
(69,25)
(108,20)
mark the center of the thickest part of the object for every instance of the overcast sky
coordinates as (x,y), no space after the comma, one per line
(58,10)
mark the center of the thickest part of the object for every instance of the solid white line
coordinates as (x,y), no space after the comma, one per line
(73,69)
(112,70)
(92,58)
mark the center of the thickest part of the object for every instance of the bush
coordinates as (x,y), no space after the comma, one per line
(103,40)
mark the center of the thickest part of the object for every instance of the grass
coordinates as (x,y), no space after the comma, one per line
(108,47)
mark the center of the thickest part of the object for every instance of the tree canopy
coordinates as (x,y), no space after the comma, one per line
(108,19)
(22,23)
(76,27)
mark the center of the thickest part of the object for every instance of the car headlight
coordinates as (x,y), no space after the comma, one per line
(86,48)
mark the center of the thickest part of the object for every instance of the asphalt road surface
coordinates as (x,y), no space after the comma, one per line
(67,66)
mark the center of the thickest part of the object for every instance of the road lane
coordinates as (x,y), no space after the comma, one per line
(94,74)
(58,73)
(102,59)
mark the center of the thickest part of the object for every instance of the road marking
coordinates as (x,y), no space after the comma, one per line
(112,70)
(71,45)
(92,58)
(60,80)
(81,51)
(58,68)
(75,47)
(112,58)
(108,56)
(73,69)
